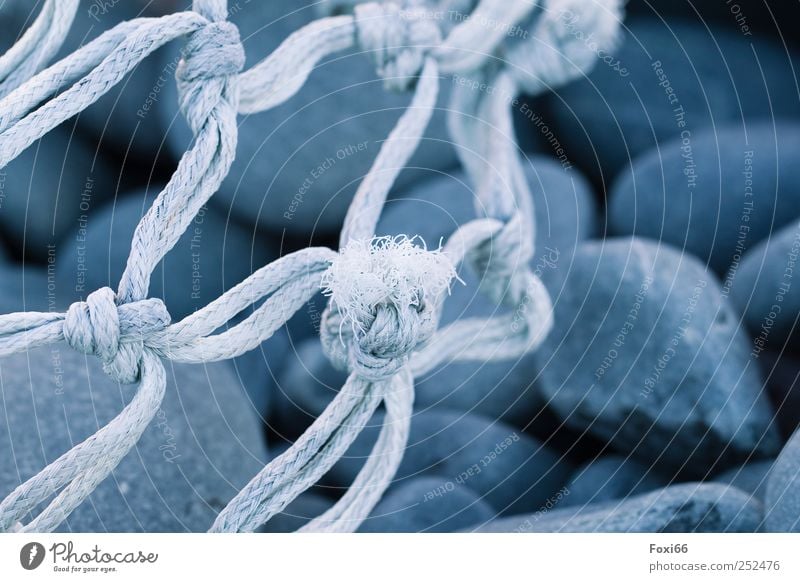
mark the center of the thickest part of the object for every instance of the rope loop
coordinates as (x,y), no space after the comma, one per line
(114,333)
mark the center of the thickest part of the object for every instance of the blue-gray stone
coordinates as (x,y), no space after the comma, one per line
(740,187)
(202,447)
(690,507)
(509,470)
(46,190)
(608,478)
(307,384)
(306,322)
(647,355)
(751,478)
(298,164)
(27,288)
(678,77)
(427,505)
(259,369)
(763,288)
(783,490)
(214,254)
(434,208)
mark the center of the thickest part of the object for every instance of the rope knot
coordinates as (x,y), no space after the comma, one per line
(114,333)
(398,38)
(501,259)
(212,58)
(385,296)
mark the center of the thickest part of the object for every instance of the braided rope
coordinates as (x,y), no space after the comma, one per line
(38,45)
(393,336)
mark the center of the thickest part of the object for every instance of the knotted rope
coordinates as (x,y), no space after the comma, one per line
(385,293)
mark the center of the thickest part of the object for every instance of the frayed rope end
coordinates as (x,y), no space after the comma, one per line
(386,270)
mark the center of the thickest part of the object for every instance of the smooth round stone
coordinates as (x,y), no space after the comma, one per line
(259,369)
(782,372)
(783,490)
(202,447)
(647,355)
(609,478)
(306,322)
(690,507)
(507,469)
(307,384)
(427,505)
(668,78)
(298,165)
(744,187)
(434,208)
(298,513)
(213,255)
(763,288)
(48,188)
(751,478)
(25,288)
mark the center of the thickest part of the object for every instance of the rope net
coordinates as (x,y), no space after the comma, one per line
(386,293)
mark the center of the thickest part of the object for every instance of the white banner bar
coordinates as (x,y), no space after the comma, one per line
(380,557)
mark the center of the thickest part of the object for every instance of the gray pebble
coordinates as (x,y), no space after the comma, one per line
(691,507)
(434,208)
(764,290)
(751,478)
(427,505)
(26,288)
(213,255)
(739,189)
(648,356)
(509,470)
(783,490)
(202,447)
(49,188)
(678,76)
(608,478)
(259,369)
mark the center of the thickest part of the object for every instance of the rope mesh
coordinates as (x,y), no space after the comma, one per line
(386,293)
